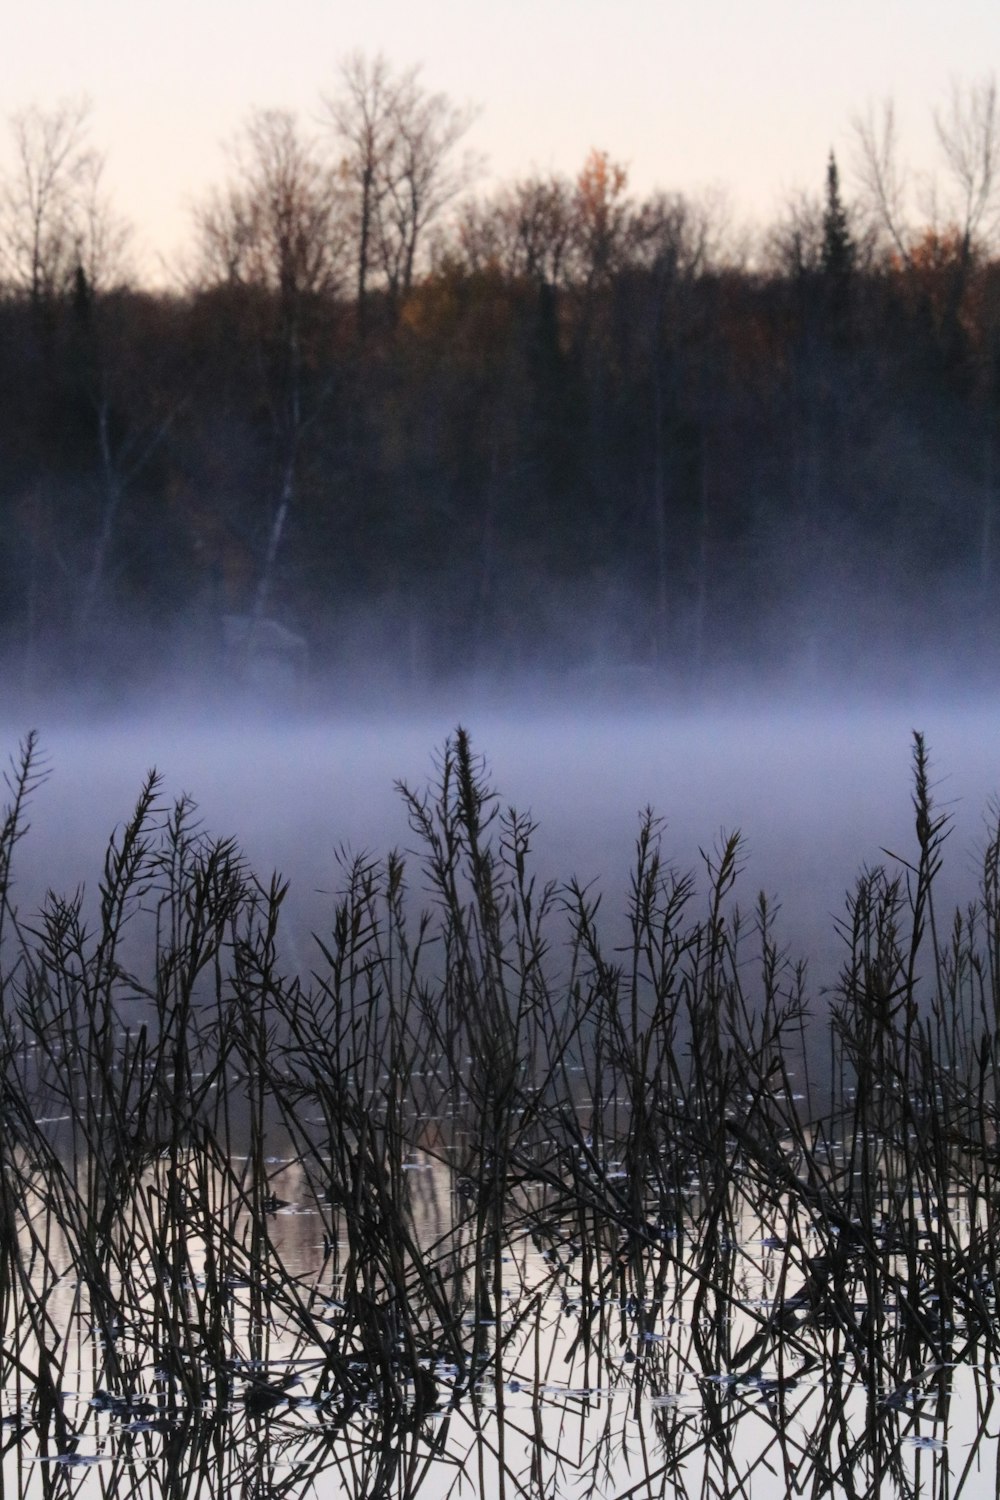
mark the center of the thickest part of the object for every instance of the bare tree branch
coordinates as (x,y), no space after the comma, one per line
(882,180)
(278,223)
(54,218)
(966,203)
(969,135)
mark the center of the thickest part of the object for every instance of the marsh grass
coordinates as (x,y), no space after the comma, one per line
(637,1186)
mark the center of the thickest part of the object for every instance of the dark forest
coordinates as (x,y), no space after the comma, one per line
(383,422)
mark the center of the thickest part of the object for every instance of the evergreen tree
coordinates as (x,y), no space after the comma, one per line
(839,252)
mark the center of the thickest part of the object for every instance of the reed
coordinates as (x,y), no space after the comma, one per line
(642,1169)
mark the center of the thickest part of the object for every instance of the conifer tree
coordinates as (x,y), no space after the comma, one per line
(839,252)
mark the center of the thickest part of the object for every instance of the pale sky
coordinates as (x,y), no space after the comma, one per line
(744,95)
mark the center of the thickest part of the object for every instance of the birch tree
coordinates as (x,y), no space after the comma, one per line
(277,231)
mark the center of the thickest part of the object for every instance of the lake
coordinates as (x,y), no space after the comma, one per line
(509,1210)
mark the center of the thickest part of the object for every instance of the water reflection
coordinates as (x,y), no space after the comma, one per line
(581,1370)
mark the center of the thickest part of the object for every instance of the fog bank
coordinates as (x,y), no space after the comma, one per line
(816,790)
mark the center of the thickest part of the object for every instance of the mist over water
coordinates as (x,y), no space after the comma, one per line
(575,1231)
(817,788)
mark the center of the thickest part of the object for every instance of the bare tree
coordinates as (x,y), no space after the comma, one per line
(55,222)
(397,144)
(525,230)
(556,231)
(278,224)
(793,244)
(968,202)
(362,118)
(676,236)
(969,134)
(883,182)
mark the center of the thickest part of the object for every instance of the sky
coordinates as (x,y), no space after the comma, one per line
(746,96)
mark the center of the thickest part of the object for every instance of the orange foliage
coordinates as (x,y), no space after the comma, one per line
(935,251)
(600,188)
(942,274)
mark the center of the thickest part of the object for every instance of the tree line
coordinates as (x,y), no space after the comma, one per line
(436,431)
